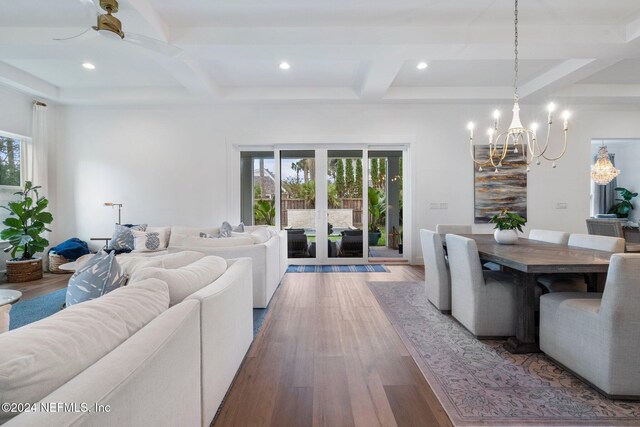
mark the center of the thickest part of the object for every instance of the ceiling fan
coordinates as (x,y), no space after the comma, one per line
(110,26)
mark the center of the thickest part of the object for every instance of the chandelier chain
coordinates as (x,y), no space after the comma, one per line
(515,51)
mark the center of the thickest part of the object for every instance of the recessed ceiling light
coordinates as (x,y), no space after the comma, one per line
(422,65)
(284,65)
(88,66)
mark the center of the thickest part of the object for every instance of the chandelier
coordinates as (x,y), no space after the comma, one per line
(517,136)
(603,172)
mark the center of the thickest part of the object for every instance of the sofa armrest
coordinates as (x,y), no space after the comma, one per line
(226,319)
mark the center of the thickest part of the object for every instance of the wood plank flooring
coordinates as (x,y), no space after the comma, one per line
(49,283)
(327,356)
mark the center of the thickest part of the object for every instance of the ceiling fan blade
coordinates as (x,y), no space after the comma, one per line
(155,45)
(86,34)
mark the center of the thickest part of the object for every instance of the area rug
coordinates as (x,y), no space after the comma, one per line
(34,309)
(365,268)
(27,311)
(480,383)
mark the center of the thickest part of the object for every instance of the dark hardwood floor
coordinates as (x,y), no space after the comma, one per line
(327,355)
(49,283)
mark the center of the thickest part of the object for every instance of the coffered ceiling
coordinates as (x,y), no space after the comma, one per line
(338,50)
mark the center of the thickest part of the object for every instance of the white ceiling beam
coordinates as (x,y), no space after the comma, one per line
(553,76)
(633,28)
(291,94)
(380,36)
(125,96)
(151,16)
(191,76)
(27,83)
(455,93)
(563,75)
(601,90)
(379,77)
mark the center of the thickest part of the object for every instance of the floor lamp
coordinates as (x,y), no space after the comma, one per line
(119,205)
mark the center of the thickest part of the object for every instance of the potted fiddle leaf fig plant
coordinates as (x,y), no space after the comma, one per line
(23,230)
(507,226)
(624,206)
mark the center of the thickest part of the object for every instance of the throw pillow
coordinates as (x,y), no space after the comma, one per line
(99,276)
(148,241)
(226,229)
(165,233)
(122,239)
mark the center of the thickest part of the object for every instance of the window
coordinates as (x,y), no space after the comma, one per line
(11,169)
(257,170)
(10,160)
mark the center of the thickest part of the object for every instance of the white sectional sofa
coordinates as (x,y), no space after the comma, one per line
(131,355)
(269,258)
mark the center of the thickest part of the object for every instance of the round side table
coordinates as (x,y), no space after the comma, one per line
(9,296)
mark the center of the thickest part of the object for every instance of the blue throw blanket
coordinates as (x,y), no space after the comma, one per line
(71,249)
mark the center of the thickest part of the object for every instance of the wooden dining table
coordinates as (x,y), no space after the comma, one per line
(526,260)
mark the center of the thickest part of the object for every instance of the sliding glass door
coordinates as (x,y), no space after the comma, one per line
(338,206)
(322,194)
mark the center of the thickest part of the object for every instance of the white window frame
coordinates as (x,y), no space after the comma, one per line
(23,146)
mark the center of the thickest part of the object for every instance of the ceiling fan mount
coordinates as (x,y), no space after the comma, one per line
(108,22)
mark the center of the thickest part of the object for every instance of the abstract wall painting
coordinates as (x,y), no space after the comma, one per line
(506,189)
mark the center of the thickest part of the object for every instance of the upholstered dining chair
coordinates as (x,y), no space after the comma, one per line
(436,271)
(549,236)
(484,302)
(612,228)
(605,227)
(443,229)
(597,336)
(576,282)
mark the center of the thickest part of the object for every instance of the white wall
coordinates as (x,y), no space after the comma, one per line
(170,165)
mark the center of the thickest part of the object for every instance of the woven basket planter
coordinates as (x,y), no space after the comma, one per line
(24,271)
(55,261)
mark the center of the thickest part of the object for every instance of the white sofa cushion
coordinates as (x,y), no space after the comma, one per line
(178,234)
(186,280)
(170,261)
(205,242)
(261,235)
(38,358)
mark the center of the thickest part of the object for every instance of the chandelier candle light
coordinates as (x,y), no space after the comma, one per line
(517,136)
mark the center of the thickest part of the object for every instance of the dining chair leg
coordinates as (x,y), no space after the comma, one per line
(525,339)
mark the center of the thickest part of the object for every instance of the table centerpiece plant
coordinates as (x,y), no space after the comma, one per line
(507,225)
(27,221)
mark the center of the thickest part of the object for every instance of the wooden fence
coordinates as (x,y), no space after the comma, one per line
(347,203)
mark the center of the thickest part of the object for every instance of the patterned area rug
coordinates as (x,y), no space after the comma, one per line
(369,268)
(480,383)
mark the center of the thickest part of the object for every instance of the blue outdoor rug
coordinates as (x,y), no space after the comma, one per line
(371,268)
(32,310)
